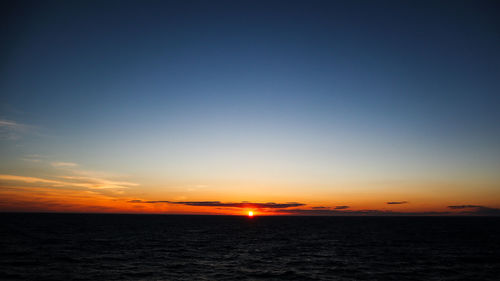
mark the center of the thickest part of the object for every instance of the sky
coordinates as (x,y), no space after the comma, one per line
(221,107)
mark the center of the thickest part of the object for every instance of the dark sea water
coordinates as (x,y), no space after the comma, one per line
(161,247)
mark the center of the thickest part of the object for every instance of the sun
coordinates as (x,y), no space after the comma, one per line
(250,213)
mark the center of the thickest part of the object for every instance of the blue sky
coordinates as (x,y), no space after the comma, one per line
(311,94)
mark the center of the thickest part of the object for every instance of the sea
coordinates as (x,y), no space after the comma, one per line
(183,247)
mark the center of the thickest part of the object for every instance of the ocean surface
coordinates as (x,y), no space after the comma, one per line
(165,247)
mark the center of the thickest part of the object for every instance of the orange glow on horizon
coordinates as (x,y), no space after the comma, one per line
(36,194)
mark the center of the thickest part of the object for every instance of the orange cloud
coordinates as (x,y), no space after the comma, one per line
(85,182)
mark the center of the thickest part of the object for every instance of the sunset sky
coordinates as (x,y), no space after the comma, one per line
(222,107)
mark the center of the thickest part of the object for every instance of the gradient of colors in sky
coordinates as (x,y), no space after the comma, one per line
(221,107)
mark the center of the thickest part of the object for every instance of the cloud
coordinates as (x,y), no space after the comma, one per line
(37,198)
(63,164)
(11,130)
(83,182)
(290,208)
(333,212)
(97,183)
(30,180)
(476,210)
(464,207)
(269,205)
(73,177)
(34,158)
(397,202)
(11,125)
(329,208)
(311,212)
(486,211)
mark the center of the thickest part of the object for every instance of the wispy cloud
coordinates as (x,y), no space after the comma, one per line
(97,183)
(196,187)
(269,205)
(341,207)
(63,164)
(397,202)
(68,174)
(64,187)
(37,198)
(30,180)
(31,159)
(11,130)
(83,182)
(11,124)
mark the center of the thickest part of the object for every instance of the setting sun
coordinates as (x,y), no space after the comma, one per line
(250,213)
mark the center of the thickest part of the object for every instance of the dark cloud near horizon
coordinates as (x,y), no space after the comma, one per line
(330,208)
(474,210)
(333,212)
(464,207)
(477,210)
(283,208)
(396,202)
(268,205)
